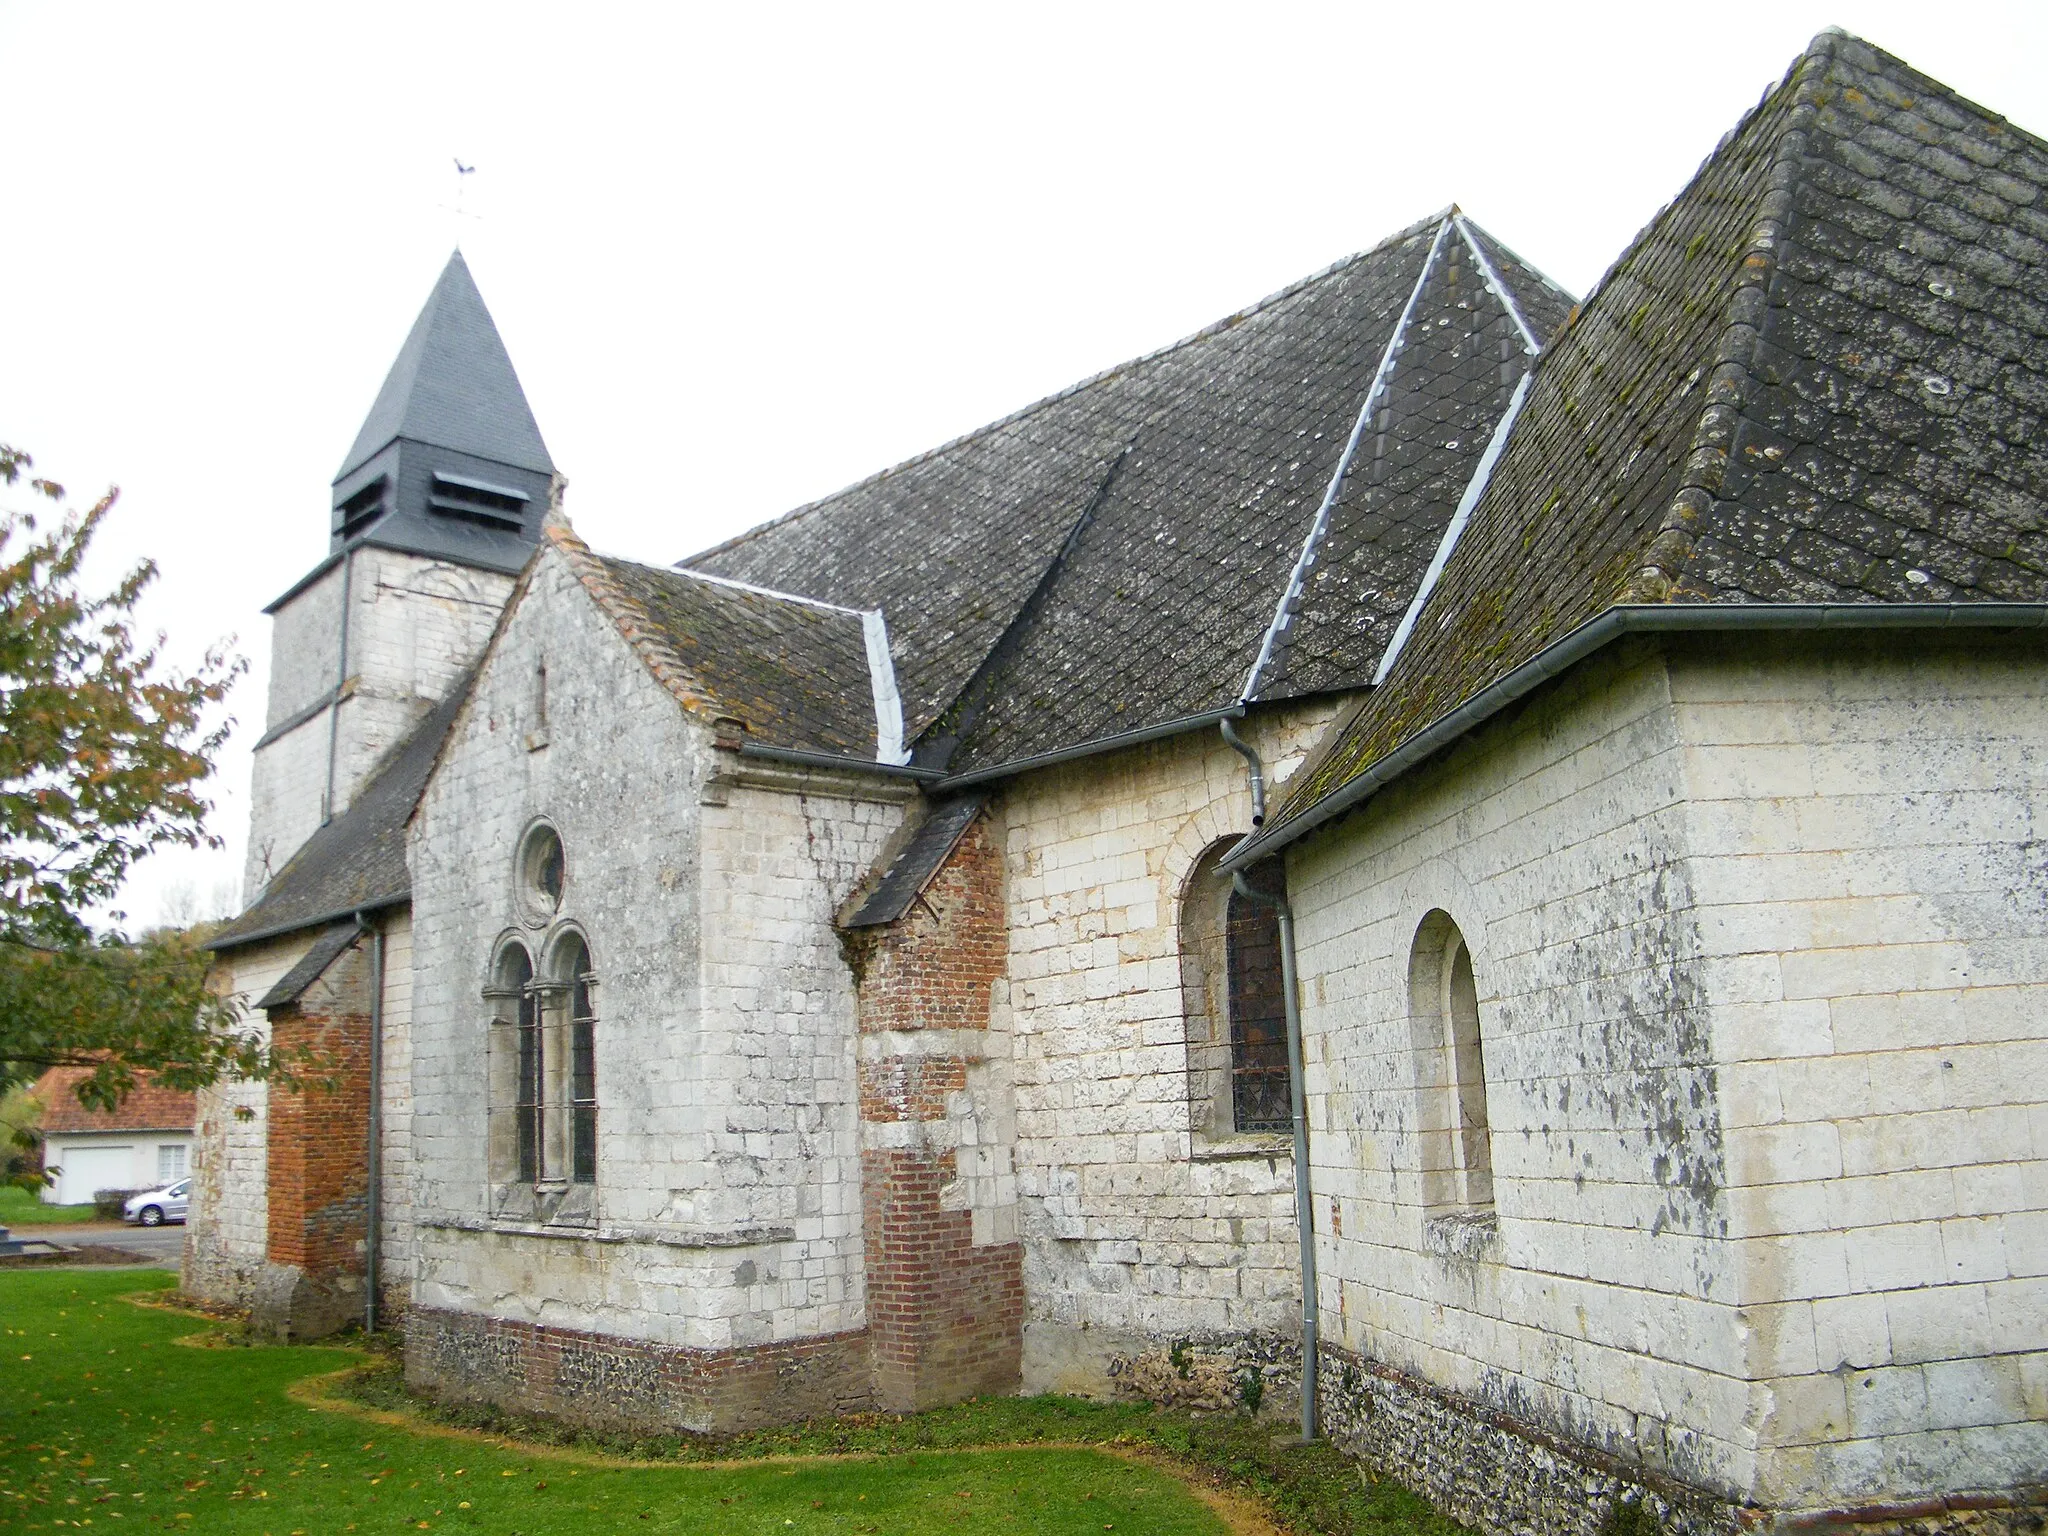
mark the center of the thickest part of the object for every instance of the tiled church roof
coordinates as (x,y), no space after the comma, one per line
(1113,556)
(795,671)
(903,874)
(357,861)
(1819,376)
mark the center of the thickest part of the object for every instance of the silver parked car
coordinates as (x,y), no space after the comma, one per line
(154,1207)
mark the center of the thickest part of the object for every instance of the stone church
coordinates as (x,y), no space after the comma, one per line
(1498,835)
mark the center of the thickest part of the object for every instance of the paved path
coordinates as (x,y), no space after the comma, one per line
(165,1245)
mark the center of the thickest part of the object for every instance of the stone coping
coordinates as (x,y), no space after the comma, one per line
(666,1237)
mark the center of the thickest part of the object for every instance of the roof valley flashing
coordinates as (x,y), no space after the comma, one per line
(1283,614)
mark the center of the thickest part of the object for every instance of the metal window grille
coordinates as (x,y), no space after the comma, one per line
(582,1072)
(1260,1090)
(527,1106)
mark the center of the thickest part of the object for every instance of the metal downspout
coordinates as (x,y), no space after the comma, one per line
(373,1204)
(1253,770)
(1304,1208)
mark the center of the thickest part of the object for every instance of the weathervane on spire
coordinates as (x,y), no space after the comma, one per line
(459,206)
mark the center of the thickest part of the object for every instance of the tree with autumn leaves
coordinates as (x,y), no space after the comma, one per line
(104,754)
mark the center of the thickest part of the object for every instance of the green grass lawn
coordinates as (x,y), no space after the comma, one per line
(19,1208)
(105,1419)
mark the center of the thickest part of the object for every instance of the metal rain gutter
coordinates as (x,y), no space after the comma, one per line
(1283,613)
(290,723)
(1254,770)
(1091,748)
(797,757)
(1658,618)
(221,946)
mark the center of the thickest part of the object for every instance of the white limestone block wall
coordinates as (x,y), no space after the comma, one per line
(1601,1303)
(395,1228)
(980,1129)
(1136,1231)
(420,623)
(779,1143)
(303,637)
(1866,823)
(227,1230)
(287,778)
(415,627)
(1758,938)
(289,775)
(727,1199)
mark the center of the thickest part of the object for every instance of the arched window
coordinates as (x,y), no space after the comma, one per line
(544,1067)
(543,1047)
(515,1068)
(1233,1001)
(1457,1150)
(1260,1091)
(574,981)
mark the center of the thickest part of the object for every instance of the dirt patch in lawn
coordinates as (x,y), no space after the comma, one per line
(328,1392)
(93,1254)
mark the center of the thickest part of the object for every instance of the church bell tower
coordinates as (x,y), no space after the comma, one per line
(437,506)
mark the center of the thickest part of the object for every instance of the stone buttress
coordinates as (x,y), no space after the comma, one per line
(945,1279)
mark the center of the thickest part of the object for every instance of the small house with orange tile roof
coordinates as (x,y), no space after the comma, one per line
(144,1143)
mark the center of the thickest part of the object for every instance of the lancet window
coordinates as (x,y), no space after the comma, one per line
(1456,1134)
(1233,1002)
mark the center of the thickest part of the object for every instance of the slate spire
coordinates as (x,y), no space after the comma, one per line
(449,463)
(453,385)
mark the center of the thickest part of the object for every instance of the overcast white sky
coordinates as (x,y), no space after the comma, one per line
(744,255)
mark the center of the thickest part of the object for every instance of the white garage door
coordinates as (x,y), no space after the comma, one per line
(91,1168)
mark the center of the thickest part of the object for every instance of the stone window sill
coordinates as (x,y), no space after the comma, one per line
(1471,1234)
(666,1237)
(1231,1149)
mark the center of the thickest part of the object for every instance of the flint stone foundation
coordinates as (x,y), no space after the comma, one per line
(613,1383)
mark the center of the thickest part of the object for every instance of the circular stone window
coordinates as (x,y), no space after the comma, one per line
(542,871)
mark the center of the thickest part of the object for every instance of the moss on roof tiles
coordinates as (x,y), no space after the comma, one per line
(1820,374)
(795,672)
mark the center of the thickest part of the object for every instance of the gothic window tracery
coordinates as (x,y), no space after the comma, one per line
(543,1142)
